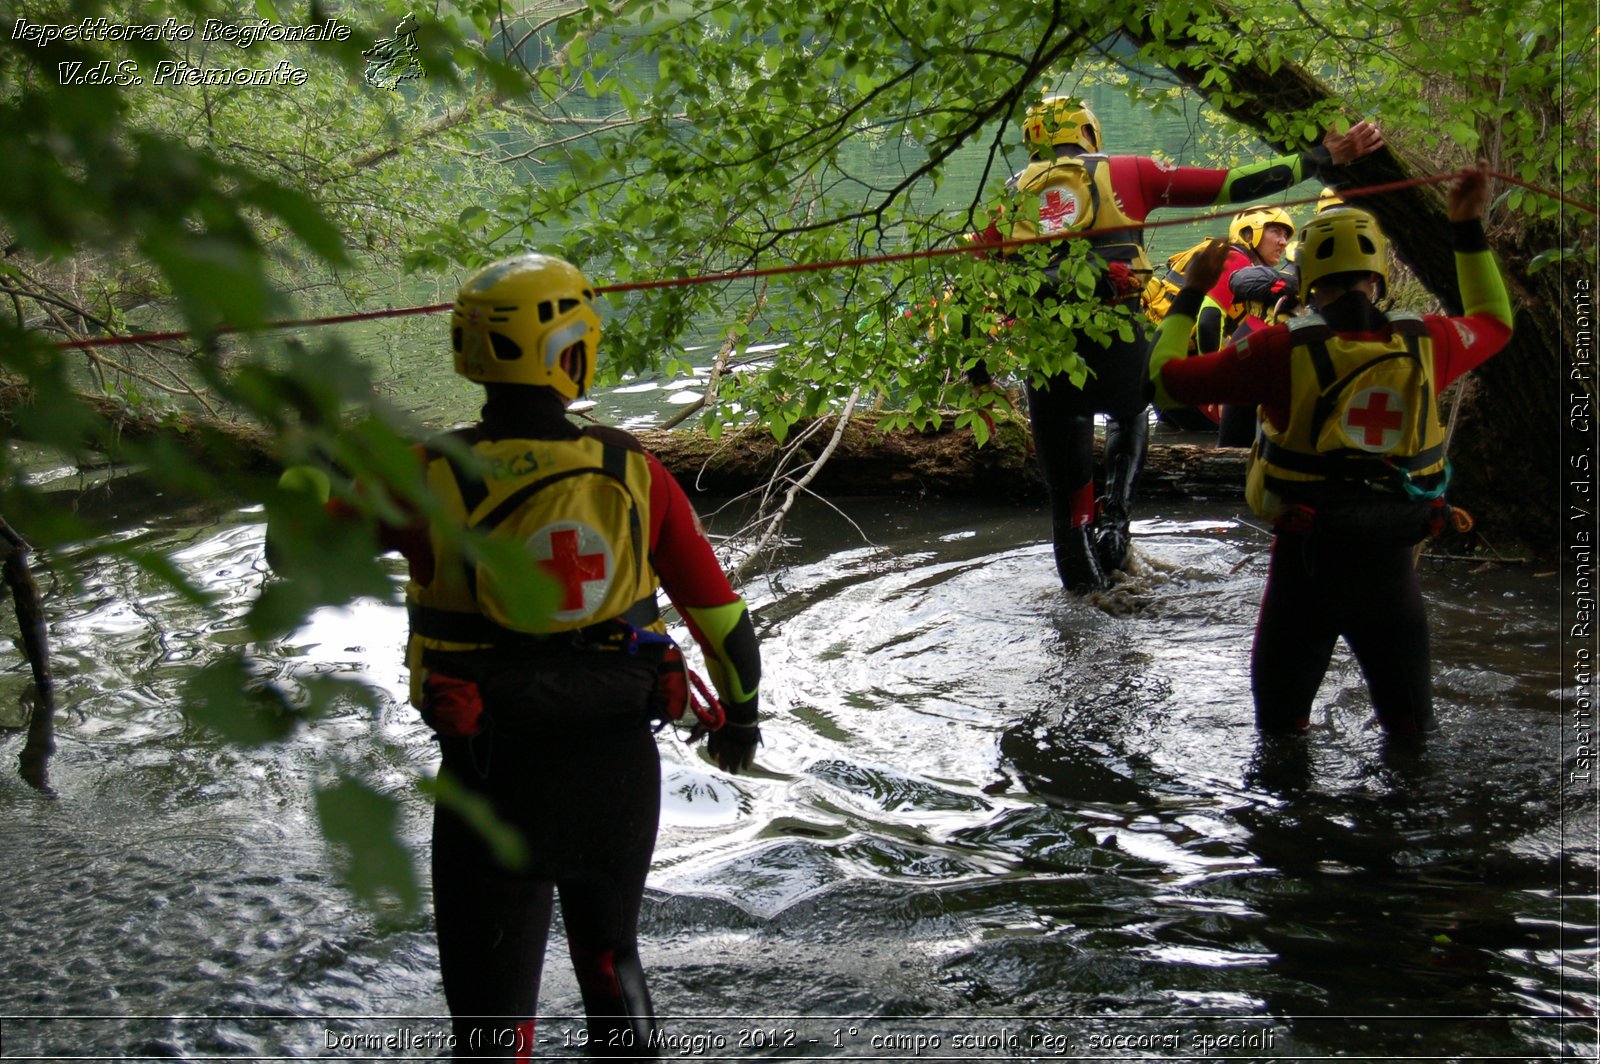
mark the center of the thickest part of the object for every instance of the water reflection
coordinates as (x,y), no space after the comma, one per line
(979,798)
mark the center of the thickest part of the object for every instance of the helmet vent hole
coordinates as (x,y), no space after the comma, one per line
(505,348)
(546,311)
(566,306)
(1366,244)
(455,339)
(1325,250)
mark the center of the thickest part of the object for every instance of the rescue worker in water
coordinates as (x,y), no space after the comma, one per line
(1350,466)
(1071,186)
(548,718)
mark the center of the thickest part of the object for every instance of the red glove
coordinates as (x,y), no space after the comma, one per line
(452,707)
(1122,278)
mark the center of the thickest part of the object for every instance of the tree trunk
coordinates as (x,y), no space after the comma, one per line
(939,462)
(944,461)
(1507,441)
(18,579)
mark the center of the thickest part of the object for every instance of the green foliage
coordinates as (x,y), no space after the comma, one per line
(364,825)
(151,206)
(232,700)
(751,129)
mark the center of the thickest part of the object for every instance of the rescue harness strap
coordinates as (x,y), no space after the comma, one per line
(455,626)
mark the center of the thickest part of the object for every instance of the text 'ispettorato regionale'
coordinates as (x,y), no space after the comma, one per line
(173,71)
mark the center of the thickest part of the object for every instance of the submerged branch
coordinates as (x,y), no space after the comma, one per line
(773,523)
(18,576)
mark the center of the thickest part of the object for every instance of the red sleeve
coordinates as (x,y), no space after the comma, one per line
(410,540)
(1254,370)
(1159,185)
(679,550)
(1463,344)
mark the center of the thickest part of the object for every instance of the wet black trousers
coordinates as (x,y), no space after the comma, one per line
(1321,587)
(586,801)
(1062,419)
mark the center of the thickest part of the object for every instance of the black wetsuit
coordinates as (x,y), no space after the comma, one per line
(565,757)
(1061,415)
(568,759)
(1321,586)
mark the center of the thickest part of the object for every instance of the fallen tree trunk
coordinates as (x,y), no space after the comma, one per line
(945,461)
(940,462)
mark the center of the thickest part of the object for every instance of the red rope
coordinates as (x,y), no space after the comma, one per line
(151,338)
(833,264)
(1004,245)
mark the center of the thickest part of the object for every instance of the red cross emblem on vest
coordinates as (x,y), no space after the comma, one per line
(579,559)
(1058,212)
(1375,419)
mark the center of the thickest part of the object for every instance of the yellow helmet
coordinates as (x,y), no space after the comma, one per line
(1347,241)
(1330,199)
(1059,120)
(1250,223)
(529,319)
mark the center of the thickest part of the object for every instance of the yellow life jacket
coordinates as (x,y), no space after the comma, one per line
(582,509)
(1071,194)
(1363,422)
(1165,284)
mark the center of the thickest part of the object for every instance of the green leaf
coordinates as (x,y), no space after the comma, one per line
(216,279)
(1550,257)
(364,825)
(229,701)
(505,842)
(527,592)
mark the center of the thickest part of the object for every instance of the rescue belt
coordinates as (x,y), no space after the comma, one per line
(679,689)
(453,626)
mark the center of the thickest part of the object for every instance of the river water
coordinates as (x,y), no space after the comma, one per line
(990,821)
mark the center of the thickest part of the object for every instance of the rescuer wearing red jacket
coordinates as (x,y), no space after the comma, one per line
(547,714)
(1350,467)
(1070,186)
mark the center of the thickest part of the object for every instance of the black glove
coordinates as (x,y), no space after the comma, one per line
(733,746)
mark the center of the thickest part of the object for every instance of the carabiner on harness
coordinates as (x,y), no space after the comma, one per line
(1408,485)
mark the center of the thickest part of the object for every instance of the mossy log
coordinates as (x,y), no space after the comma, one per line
(944,461)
